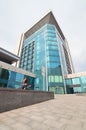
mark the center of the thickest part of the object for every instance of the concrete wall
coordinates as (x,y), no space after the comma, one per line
(14,98)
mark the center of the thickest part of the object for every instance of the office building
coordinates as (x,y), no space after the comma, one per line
(43,57)
(11,76)
(76,82)
(43,50)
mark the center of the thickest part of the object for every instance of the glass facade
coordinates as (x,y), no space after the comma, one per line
(77,84)
(11,79)
(42,50)
(54,72)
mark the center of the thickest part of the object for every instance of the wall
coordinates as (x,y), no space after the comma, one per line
(14,98)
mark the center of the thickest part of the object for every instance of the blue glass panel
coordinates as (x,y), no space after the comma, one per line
(76,81)
(53,65)
(83,79)
(68,81)
(52,47)
(77,89)
(13,79)
(53,59)
(51,52)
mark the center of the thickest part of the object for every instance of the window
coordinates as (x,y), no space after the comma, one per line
(52,47)
(76,81)
(53,58)
(52,65)
(56,79)
(83,79)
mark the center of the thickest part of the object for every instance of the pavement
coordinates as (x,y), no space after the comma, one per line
(65,112)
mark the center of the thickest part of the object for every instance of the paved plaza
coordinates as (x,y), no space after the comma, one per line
(65,112)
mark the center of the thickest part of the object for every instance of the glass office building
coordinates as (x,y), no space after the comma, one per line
(13,79)
(76,83)
(44,50)
(11,76)
(44,58)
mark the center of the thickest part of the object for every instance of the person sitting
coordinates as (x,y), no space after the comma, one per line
(25,83)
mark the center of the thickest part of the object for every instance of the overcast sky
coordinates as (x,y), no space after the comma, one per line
(17,16)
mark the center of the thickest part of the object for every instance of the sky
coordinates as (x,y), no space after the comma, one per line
(17,16)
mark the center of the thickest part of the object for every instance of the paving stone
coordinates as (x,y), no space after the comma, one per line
(65,112)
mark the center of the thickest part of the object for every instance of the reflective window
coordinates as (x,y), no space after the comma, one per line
(83,79)
(13,79)
(52,47)
(68,81)
(76,81)
(51,52)
(57,79)
(51,43)
(53,58)
(53,65)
